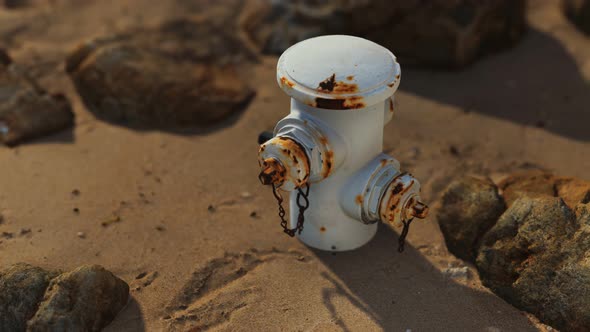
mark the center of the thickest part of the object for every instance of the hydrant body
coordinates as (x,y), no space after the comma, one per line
(342,96)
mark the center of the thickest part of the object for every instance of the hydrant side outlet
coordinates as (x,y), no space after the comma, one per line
(331,144)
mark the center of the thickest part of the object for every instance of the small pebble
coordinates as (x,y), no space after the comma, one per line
(245,194)
(25,231)
(457,273)
(211,208)
(253,214)
(76,192)
(76,210)
(160,228)
(81,235)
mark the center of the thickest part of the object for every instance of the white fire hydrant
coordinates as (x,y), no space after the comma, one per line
(329,148)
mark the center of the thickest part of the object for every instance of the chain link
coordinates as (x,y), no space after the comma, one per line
(402,237)
(301,205)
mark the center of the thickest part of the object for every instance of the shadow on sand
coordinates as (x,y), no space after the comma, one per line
(404,291)
(536,83)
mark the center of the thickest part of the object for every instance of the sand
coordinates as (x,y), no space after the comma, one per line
(526,107)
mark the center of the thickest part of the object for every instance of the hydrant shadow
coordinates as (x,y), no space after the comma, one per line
(405,291)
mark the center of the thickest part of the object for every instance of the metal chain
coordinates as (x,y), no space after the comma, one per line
(302,207)
(402,237)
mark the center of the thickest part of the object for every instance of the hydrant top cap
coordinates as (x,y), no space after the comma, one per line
(338,72)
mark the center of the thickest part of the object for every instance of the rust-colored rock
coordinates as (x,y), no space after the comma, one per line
(544,184)
(435,33)
(533,183)
(26,110)
(184,72)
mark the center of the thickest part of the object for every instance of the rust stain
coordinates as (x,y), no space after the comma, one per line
(359,199)
(390,105)
(296,152)
(397,189)
(329,85)
(354,102)
(383,162)
(350,78)
(397,77)
(322,229)
(327,161)
(273,172)
(324,140)
(286,82)
(393,208)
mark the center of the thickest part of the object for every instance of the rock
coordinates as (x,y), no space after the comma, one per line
(531,228)
(435,33)
(26,110)
(573,191)
(537,183)
(184,72)
(470,206)
(21,289)
(531,183)
(85,299)
(537,257)
(578,11)
(457,273)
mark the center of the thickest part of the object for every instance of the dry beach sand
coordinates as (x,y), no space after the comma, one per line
(144,196)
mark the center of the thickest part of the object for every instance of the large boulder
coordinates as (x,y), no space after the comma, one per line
(536,255)
(188,71)
(470,207)
(26,110)
(435,33)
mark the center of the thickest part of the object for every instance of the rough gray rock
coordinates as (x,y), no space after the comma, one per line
(437,33)
(85,299)
(184,72)
(537,258)
(536,255)
(578,11)
(470,207)
(26,110)
(21,288)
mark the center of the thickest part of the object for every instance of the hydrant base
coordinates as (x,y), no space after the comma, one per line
(331,229)
(341,244)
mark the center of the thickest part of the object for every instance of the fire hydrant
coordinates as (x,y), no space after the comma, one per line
(329,149)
